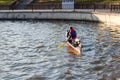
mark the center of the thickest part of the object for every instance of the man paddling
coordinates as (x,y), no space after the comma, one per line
(71,35)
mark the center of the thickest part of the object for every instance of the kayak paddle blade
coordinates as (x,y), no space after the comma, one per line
(60,45)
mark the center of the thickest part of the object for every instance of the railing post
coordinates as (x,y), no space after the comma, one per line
(32,7)
(94,6)
(111,7)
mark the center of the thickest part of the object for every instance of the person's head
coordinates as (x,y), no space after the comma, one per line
(71,28)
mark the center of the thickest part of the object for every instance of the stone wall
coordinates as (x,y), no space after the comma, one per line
(110,18)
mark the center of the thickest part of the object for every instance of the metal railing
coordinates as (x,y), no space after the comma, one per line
(109,6)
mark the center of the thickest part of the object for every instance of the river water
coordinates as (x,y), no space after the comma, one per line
(28,51)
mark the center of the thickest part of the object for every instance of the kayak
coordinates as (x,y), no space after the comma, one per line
(73,49)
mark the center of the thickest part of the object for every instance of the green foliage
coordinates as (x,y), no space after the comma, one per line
(5,1)
(110,0)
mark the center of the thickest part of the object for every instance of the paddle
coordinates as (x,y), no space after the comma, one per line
(61,45)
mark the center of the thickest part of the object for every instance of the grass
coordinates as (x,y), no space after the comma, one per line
(5,1)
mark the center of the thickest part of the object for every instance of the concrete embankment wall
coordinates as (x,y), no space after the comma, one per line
(110,18)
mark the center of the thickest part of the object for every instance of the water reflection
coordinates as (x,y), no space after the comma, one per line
(28,51)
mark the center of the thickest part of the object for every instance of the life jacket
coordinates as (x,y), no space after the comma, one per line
(73,34)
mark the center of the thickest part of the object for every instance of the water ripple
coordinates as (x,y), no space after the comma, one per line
(28,51)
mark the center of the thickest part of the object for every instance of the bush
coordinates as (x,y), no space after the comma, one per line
(5,1)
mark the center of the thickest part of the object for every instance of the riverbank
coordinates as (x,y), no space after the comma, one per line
(103,16)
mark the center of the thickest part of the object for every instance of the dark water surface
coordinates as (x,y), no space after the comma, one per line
(28,51)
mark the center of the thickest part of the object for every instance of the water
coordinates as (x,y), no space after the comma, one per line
(28,51)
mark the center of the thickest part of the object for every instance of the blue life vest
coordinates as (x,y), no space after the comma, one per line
(73,34)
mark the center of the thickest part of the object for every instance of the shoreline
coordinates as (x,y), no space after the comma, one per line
(104,16)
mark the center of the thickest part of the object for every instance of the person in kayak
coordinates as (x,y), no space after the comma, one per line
(71,35)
